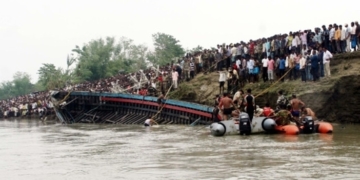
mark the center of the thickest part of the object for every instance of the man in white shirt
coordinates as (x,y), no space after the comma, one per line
(302,63)
(326,61)
(265,62)
(250,66)
(149,122)
(222,79)
(175,77)
(342,39)
(347,38)
(233,52)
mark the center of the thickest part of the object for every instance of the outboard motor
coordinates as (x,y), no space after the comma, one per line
(217,129)
(309,125)
(244,124)
(268,125)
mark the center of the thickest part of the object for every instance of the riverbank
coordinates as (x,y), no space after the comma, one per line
(333,99)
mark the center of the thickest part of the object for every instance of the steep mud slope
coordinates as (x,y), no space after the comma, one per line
(333,99)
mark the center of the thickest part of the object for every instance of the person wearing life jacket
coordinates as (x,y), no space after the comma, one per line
(267,111)
(284,116)
(250,104)
(282,101)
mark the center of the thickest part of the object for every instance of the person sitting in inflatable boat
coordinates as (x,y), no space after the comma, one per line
(284,117)
(307,112)
(267,111)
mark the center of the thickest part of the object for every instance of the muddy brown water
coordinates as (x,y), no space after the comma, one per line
(35,150)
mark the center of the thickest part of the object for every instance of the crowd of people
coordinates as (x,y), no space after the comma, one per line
(36,103)
(143,82)
(302,55)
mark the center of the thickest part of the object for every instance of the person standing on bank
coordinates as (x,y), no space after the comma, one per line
(250,104)
(315,61)
(326,61)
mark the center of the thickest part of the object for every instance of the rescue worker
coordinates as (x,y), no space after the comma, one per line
(250,104)
(307,112)
(295,107)
(267,111)
(227,106)
(284,116)
(149,122)
(282,101)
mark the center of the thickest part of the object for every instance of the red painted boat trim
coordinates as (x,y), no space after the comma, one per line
(192,111)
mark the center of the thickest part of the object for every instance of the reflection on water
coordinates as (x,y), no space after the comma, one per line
(34,150)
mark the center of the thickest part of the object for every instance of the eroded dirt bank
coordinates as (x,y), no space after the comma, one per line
(334,99)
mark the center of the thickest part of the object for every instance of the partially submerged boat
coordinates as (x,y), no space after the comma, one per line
(121,108)
(243,126)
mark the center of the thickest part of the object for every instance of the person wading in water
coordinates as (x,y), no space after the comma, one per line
(250,104)
(149,122)
(228,106)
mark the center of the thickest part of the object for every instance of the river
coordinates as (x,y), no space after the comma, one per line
(35,150)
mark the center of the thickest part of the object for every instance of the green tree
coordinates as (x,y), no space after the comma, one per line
(7,90)
(104,58)
(51,77)
(22,83)
(166,49)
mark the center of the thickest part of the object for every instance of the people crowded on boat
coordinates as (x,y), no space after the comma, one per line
(37,103)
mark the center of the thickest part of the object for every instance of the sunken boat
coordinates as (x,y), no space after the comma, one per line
(122,108)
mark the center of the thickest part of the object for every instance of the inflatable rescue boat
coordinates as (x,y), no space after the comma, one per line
(244,126)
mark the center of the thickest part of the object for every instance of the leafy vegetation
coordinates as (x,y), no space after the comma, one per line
(99,58)
(20,85)
(166,49)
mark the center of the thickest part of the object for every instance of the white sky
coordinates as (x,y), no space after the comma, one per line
(45,31)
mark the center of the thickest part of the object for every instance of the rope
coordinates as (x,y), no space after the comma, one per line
(65,98)
(267,89)
(163,105)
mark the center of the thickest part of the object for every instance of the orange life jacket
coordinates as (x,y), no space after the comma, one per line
(267,111)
